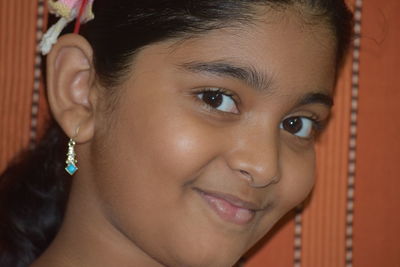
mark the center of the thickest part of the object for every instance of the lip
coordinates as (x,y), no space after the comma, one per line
(229,207)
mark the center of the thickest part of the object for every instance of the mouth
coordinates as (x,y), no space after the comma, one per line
(229,208)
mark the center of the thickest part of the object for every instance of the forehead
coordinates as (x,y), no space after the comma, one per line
(282,44)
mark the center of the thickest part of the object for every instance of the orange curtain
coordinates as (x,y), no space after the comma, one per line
(351,218)
(22,105)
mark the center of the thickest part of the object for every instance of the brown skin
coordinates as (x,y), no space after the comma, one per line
(133,200)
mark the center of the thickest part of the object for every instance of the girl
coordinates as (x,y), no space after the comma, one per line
(189,128)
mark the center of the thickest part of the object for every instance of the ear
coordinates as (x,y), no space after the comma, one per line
(71,89)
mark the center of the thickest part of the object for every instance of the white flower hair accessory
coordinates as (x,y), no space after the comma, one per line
(67,10)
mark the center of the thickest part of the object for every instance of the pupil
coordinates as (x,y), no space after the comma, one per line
(293,125)
(214,99)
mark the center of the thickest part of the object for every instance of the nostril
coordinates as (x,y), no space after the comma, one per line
(256,183)
(247,174)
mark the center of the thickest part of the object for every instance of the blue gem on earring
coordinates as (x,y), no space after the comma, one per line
(71,161)
(71,169)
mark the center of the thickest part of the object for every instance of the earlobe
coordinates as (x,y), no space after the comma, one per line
(70,85)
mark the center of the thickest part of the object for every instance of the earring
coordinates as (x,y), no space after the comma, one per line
(71,161)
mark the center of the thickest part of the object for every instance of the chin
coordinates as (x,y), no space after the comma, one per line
(211,260)
(211,251)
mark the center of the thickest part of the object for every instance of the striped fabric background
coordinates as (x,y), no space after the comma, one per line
(352,217)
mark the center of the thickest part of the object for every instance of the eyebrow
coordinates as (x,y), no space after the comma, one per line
(316,98)
(249,75)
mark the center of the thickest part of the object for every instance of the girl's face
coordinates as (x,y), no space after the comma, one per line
(211,141)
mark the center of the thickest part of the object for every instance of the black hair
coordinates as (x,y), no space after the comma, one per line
(34,189)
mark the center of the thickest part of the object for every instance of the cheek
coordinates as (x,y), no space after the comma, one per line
(173,146)
(155,145)
(154,151)
(298,177)
(297,180)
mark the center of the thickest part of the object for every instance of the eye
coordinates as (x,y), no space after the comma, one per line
(218,99)
(299,126)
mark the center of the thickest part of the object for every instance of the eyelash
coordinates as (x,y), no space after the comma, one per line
(221,91)
(317,125)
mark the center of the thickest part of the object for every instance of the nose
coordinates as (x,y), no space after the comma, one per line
(255,158)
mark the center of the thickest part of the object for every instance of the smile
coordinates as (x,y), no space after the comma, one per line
(229,208)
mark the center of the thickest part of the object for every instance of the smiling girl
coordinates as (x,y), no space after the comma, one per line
(191,128)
